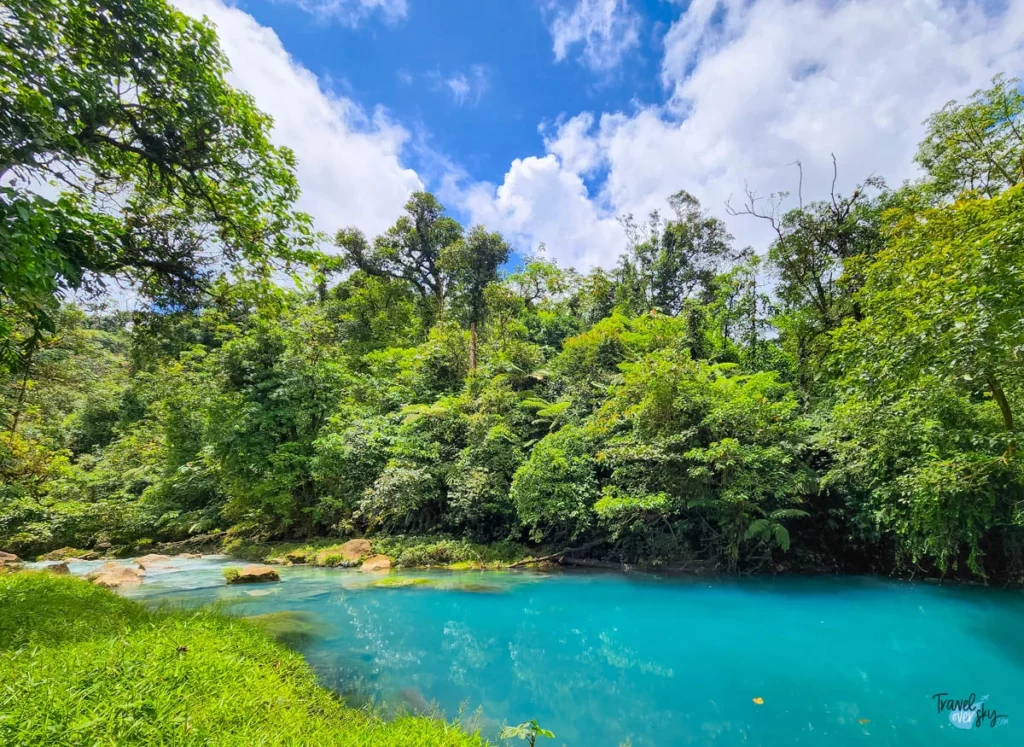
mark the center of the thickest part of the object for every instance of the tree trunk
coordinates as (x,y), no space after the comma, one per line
(472,347)
(558,554)
(21,394)
(1004,407)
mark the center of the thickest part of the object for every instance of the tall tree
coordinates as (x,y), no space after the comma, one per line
(473,265)
(978,145)
(946,297)
(411,250)
(165,172)
(668,262)
(818,252)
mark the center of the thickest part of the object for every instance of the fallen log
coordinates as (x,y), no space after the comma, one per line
(559,554)
(198,539)
(585,563)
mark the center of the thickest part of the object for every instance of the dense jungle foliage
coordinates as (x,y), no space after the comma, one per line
(845,398)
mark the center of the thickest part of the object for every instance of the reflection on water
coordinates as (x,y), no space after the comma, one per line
(602,658)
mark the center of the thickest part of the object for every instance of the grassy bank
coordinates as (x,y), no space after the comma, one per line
(404,551)
(82,666)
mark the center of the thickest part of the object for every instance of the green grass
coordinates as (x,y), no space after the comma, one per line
(404,551)
(82,666)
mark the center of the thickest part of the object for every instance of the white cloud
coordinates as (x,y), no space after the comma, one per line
(349,160)
(607,30)
(464,87)
(577,151)
(753,87)
(352,12)
(541,201)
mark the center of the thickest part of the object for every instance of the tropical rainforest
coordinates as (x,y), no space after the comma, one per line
(846,398)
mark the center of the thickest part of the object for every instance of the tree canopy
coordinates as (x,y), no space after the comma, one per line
(848,396)
(124,154)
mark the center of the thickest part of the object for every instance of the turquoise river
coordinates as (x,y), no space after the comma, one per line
(612,659)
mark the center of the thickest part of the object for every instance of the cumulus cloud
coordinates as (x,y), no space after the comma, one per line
(541,201)
(352,12)
(752,87)
(577,151)
(349,159)
(605,29)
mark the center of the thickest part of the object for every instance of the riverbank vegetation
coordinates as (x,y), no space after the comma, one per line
(846,398)
(83,666)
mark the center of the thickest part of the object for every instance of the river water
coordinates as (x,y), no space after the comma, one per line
(610,659)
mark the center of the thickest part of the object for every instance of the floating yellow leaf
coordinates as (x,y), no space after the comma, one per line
(863,721)
(759,701)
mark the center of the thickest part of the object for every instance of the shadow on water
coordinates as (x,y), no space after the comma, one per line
(993,622)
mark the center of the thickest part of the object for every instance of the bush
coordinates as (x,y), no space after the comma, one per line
(555,490)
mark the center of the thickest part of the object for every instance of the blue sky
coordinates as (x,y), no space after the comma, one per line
(501,49)
(548,119)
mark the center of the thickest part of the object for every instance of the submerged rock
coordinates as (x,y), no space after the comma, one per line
(416,702)
(476,587)
(291,627)
(58,569)
(396,582)
(376,563)
(255,574)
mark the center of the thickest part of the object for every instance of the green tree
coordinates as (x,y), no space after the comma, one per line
(946,297)
(412,250)
(976,146)
(818,254)
(473,265)
(167,173)
(668,262)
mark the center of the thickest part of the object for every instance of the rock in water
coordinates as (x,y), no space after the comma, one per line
(58,569)
(188,555)
(255,574)
(376,563)
(116,577)
(7,557)
(151,560)
(112,567)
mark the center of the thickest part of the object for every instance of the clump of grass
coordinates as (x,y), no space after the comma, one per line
(405,552)
(231,574)
(80,665)
(330,560)
(410,552)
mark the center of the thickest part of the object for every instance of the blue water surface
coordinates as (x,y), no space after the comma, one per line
(610,659)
